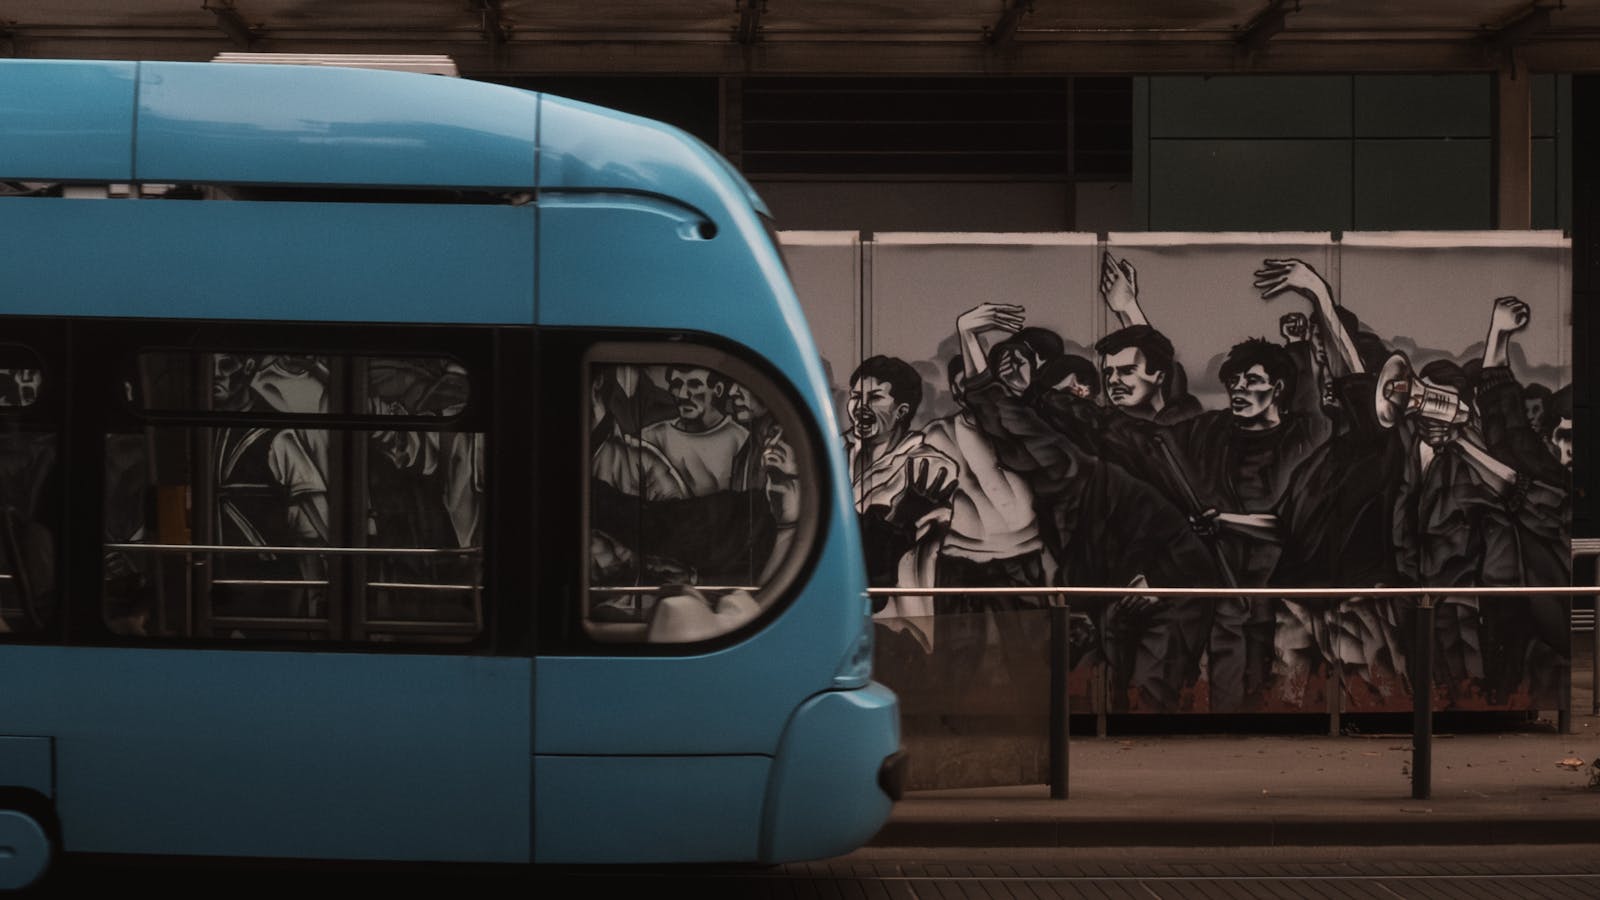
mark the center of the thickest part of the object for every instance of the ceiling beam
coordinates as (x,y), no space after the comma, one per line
(1253,39)
(748,31)
(1043,58)
(232,23)
(1004,33)
(494,24)
(1300,52)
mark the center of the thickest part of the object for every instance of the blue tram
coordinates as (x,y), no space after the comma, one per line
(396,467)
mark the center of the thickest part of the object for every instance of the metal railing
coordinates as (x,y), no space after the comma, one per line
(1421,658)
(300,623)
(296,550)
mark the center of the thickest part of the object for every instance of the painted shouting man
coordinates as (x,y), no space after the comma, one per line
(902,487)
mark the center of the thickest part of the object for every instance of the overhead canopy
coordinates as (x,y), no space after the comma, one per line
(791,37)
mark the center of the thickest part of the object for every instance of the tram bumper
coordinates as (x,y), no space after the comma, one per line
(838,771)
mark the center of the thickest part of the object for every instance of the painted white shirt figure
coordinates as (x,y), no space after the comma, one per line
(703,458)
(992,510)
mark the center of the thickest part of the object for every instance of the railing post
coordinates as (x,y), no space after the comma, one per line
(1422,702)
(1335,684)
(1594,634)
(1060,665)
(1564,711)
(1102,690)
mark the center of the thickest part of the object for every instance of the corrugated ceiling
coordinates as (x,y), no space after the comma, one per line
(836,37)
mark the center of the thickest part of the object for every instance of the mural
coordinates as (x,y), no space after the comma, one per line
(1170,410)
(695,495)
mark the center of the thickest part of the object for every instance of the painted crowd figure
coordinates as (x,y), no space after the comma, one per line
(1334,464)
(270,482)
(695,495)
(992,541)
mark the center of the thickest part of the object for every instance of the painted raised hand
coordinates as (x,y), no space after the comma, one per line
(930,484)
(1119,285)
(1278,275)
(1294,327)
(991,317)
(1510,315)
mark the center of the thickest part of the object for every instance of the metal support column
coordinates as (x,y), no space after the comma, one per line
(1422,703)
(1513,147)
(1060,720)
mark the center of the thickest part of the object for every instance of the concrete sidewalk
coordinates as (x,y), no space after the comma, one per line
(1251,790)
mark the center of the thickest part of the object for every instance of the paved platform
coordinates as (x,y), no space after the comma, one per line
(1500,787)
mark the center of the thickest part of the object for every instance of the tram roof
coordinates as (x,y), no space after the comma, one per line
(201,123)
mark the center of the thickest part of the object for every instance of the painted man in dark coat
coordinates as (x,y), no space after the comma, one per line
(1478,504)
(1104,527)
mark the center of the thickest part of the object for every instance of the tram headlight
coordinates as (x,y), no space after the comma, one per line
(855,671)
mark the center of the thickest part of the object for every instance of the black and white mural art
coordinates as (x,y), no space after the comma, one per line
(695,494)
(1234,410)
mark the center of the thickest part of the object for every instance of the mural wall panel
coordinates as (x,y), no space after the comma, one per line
(826,269)
(990,653)
(1217,410)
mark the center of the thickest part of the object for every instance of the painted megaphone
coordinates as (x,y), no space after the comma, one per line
(1400,393)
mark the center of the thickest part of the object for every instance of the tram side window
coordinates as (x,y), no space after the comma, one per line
(322,508)
(29,502)
(701,497)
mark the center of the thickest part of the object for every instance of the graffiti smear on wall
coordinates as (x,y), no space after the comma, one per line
(1223,411)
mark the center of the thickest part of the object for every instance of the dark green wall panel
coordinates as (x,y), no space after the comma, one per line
(1250,185)
(1400,106)
(1299,106)
(1546,202)
(1423,184)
